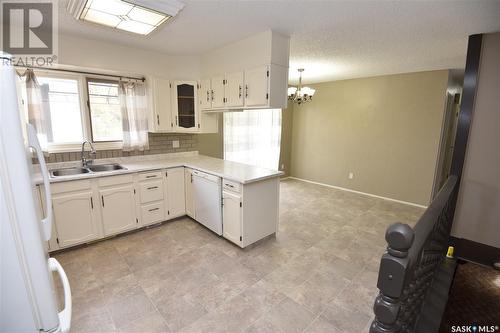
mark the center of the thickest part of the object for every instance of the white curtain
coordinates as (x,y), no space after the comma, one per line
(133,105)
(38,109)
(253,137)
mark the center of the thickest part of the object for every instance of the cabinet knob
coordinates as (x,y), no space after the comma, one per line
(246,90)
(239,91)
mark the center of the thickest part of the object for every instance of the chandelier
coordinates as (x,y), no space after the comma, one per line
(300,94)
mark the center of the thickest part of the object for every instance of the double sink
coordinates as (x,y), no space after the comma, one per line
(89,169)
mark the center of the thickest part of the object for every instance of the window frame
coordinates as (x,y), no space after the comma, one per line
(84,113)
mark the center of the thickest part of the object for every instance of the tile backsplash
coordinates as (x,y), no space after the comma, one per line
(159,143)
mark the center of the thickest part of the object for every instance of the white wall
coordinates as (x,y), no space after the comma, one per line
(88,53)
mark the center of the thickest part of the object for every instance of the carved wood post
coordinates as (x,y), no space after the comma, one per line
(393,272)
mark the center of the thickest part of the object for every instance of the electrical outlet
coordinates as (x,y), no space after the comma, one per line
(282,167)
(351,175)
(175,144)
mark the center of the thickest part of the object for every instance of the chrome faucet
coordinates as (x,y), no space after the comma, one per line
(91,155)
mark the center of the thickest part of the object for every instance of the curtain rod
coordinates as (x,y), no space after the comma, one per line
(84,72)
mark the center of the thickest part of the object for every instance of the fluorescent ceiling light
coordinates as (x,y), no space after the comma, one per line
(137,16)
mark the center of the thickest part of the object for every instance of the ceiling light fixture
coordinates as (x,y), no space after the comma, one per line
(136,16)
(300,94)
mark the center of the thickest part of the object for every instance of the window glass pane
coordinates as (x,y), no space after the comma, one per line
(105,113)
(253,137)
(61,101)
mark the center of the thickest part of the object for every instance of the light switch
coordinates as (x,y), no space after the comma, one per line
(175,144)
(351,175)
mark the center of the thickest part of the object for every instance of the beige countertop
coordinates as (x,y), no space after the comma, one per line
(234,171)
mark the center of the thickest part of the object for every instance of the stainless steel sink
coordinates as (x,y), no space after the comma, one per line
(89,169)
(105,167)
(68,172)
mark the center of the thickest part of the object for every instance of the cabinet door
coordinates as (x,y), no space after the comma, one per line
(234,89)
(204,96)
(162,105)
(74,218)
(118,209)
(185,106)
(218,98)
(175,192)
(257,86)
(188,181)
(231,217)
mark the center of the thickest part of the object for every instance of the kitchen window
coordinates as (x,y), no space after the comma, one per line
(253,137)
(76,108)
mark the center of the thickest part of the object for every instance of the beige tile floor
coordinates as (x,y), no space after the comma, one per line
(318,275)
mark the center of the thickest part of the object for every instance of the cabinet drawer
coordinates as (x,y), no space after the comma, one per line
(69,186)
(150,175)
(151,191)
(115,180)
(153,213)
(231,186)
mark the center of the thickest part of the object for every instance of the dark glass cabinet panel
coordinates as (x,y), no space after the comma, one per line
(186,110)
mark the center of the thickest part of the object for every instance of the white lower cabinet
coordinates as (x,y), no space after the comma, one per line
(153,213)
(74,217)
(118,209)
(152,197)
(87,210)
(231,215)
(174,179)
(189,195)
(74,214)
(250,211)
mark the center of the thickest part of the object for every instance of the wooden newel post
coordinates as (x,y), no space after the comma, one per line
(393,272)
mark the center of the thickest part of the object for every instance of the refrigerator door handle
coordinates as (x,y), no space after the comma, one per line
(33,142)
(65,314)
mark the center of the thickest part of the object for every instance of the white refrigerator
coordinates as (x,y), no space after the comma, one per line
(28,300)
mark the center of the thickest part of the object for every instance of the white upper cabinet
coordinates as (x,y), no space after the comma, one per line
(161,120)
(234,89)
(185,108)
(218,97)
(257,86)
(255,70)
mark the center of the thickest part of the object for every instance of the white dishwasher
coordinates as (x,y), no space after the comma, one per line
(207,200)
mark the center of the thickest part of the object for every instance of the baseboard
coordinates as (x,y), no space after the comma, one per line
(475,252)
(357,192)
